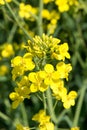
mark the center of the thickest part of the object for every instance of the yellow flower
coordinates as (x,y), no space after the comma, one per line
(49,69)
(41,117)
(47,126)
(19,95)
(63,69)
(7,50)
(23,82)
(17,71)
(21,127)
(15,97)
(62,5)
(21,64)
(75,128)
(28,63)
(69,100)
(26,11)
(44,121)
(37,82)
(61,52)
(17,61)
(3,70)
(46,14)
(2,1)
(47,1)
(58,89)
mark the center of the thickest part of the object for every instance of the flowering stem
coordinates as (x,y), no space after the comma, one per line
(50,106)
(24,114)
(39,21)
(79,104)
(17,21)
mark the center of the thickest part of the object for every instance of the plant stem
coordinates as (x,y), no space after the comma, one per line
(11,34)
(39,21)
(67,119)
(60,117)
(17,21)
(16,2)
(44,101)
(50,106)
(80,60)
(24,115)
(5,117)
(79,104)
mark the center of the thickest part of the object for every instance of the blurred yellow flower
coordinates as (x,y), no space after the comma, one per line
(3,70)
(64,5)
(75,128)
(21,127)
(2,2)
(7,50)
(26,11)
(47,1)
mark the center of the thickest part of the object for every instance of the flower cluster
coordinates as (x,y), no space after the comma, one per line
(41,67)
(50,16)
(48,47)
(44,121)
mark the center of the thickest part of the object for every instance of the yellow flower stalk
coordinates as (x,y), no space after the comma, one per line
(42,67)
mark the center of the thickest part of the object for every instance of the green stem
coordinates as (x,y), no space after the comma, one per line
(67,119)
(11,34)
(44,101)
(50,106)
(60,117)
(79,104)
(17,21)
(80,60)
(39,21)
(5,117)
(24,115)
(16,2)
